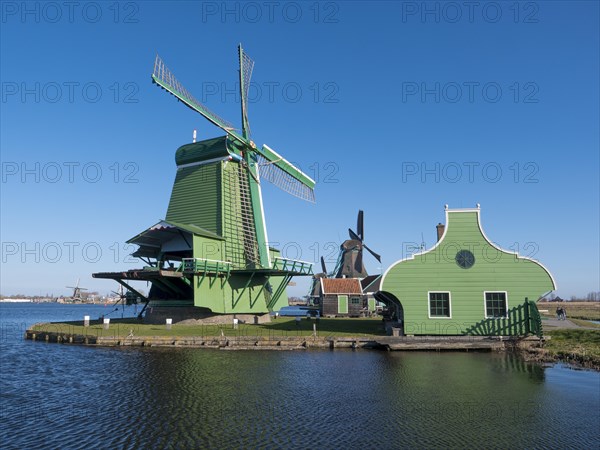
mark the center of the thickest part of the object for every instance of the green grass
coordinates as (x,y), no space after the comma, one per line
(585,323)
(575,344)
(280,327)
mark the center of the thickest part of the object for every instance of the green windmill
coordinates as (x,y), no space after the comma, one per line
(211,251)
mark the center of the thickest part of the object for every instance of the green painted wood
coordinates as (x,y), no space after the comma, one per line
(276,283)
(371,304)
(202,151)
(342,304)
(494,270)
(166,81)
(237,294)
(196,197)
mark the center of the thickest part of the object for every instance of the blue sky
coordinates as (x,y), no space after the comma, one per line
(396,108)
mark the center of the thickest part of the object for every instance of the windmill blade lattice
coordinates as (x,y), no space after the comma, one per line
(283,180)
(273,167)
(246,68)
(165,78)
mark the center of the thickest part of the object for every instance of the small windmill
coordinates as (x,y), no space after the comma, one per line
(125,298)
(77,291)
(350,260)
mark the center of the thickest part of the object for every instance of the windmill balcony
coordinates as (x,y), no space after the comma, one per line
(202,265)
(292,265)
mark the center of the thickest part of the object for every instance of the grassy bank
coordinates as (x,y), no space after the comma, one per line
(280,327)
(581,347)
(576,346)
(572,346)
(585,323)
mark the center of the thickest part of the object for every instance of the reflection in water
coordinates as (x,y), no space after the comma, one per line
(74,397)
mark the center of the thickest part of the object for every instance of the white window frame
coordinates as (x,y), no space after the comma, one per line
(505,304)
(449,305)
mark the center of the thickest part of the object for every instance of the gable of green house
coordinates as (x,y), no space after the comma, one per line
(466,284)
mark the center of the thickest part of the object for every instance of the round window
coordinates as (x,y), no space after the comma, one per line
(465,259)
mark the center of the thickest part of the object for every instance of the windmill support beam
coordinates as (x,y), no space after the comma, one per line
(244,288)
(279,291)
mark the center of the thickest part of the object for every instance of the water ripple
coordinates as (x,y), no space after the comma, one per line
(72,397)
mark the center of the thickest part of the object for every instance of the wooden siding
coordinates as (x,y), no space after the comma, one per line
(436,270)
(332,305)
(196,197)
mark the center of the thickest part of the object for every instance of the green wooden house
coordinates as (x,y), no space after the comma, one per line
(466,285)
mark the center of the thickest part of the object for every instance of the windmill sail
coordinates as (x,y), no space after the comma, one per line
(273,167)
(246,67)
(165,79)
(283,174)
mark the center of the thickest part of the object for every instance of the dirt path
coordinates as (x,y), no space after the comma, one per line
(556,324)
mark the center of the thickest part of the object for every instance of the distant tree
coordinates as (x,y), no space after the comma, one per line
(593,296)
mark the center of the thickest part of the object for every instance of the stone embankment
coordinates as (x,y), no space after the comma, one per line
(406,343)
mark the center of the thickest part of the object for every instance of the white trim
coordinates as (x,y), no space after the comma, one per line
(343,293)
(463,210)
(447,224)
(262,212)
(206,259)
(505,304)
(161,224)
(429,304)
(201,163)
(418,254)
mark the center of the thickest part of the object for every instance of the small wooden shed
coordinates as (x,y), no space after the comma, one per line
(342,297)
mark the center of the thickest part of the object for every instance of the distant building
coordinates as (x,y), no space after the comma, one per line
(347,297)
(341,297)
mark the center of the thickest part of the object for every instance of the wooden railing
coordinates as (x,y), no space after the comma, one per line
(292,265)
(522,320)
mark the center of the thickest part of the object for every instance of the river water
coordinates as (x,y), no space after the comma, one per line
(67,396)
